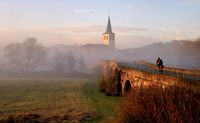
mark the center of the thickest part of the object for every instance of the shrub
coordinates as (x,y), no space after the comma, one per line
(108,84)
(177,104)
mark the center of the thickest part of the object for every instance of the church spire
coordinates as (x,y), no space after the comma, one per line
(109,28)
(109,36)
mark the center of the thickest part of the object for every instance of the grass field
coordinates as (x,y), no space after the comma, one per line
(56,97)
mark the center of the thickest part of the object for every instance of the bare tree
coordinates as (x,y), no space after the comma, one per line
(71,62)
(27,55)
(60,62)
(64,62)
(34,53)
(82,65)
(13,53)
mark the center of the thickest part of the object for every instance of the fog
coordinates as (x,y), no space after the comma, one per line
(180,54)
(31,58)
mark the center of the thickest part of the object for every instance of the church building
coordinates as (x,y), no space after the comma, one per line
(109,36)
(105,50)
(108,40)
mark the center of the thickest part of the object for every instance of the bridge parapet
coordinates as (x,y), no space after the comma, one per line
(121,77)
(175,72)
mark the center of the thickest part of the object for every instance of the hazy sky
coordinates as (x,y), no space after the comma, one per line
(135,22)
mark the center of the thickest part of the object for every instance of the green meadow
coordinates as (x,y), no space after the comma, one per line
(50,97)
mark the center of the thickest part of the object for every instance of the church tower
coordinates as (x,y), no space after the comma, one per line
(109,36)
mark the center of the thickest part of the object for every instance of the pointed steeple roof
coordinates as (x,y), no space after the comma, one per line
(109,28)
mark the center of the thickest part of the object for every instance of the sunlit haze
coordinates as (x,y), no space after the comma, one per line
(135,23)
(86,61)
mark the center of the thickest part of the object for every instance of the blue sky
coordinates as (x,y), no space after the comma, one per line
(135,22)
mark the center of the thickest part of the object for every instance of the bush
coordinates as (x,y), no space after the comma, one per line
(108,84)
(177,104)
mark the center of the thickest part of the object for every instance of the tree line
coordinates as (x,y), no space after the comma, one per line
(31,56)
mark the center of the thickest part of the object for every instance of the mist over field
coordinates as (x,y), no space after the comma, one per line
(99,61)
(32,58)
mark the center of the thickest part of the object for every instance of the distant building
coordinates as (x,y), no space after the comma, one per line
(105,50)
(109,36)
(108,41)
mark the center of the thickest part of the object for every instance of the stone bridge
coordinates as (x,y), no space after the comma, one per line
(118,78)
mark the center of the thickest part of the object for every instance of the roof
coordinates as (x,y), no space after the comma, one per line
(96,48)
(93,46)
(109,28)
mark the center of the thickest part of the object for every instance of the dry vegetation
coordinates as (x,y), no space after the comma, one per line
(109,84)
(56,100)
(44,100)
(38,118)
(177,104)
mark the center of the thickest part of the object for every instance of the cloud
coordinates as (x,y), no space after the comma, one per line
(137,7)
(129,7)
(85,29)
(81,11)
(130,29)
(82,34)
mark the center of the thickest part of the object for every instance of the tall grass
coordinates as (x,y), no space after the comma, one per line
(177,104)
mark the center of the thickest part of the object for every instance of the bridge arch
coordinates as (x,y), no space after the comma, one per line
(129,76)
(127,87)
